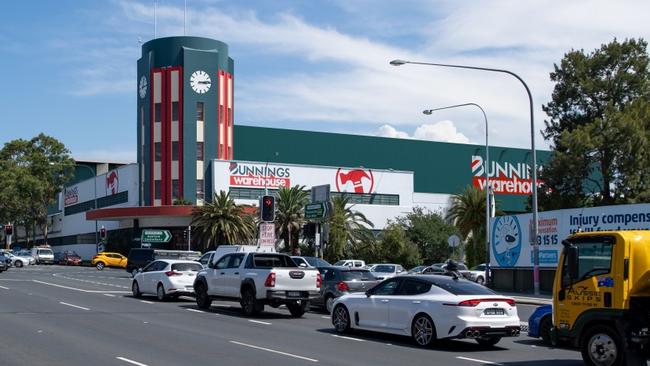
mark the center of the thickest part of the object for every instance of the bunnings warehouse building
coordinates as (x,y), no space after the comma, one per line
(189,148)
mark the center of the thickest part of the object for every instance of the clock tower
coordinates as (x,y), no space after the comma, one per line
(185,117)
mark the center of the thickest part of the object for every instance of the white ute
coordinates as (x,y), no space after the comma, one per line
(258,279)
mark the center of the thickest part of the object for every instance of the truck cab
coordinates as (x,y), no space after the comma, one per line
(601,296)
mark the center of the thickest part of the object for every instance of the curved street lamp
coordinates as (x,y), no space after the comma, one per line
(487,181)
(398,62)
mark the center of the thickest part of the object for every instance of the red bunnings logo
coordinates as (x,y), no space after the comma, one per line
(505,178)
(248,175)
(361,181)
(112,183)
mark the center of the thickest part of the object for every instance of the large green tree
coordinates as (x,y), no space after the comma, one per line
(290,216)
(222,222)
(348,229)
(467,212)
(34,172)
(395,247)
(429,231)
(599,127)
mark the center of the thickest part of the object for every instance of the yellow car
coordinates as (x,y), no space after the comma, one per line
(105,259)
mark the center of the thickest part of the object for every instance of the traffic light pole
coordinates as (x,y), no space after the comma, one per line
(189,238)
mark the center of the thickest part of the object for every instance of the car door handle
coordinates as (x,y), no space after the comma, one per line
(385,300)
(222,273)
(417,302)
(236,273)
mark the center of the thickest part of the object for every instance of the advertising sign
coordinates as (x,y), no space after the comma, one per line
(71,196)
(505,177)
(510,239)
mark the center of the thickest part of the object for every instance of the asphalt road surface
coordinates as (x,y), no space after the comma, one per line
(55,315)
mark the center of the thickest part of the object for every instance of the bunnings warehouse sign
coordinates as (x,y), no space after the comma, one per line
(505,177)
(242,174)
(510,235)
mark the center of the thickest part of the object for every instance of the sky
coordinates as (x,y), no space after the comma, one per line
(68,68)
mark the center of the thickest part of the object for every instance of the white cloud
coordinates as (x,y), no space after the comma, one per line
(345,77)
(444,131)
(440,131)
(390,131)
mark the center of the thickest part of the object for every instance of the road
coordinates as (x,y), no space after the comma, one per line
(54,315)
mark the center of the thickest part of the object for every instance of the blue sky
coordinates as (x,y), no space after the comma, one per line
(68,67)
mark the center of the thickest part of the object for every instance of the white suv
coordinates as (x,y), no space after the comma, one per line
(355,263)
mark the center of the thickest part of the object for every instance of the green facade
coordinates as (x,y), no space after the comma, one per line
(438,167)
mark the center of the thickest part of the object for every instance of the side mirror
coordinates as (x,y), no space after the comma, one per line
(572,261)
(302,265)
(140,270)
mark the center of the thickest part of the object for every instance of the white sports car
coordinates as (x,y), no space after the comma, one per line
(428,308)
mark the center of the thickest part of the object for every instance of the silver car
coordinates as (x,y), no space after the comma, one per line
(339,281)
(384,271)
(20,260)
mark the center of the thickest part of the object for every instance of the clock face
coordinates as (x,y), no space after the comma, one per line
(506,240)
(142,88)
(200,81)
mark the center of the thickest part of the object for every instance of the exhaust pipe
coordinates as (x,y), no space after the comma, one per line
(468,334)
(477,334)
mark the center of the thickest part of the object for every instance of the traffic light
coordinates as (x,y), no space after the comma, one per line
(9,230)
(102,233)
(185,234)
(267,208)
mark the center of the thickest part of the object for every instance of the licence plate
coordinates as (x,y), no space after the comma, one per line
(293,294)
(494,311)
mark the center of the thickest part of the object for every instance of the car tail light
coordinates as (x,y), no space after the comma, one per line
(342,286)
(319,280)
(270,280)
(475,302)
(173,273)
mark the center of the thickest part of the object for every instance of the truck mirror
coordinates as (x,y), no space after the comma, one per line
(572,261)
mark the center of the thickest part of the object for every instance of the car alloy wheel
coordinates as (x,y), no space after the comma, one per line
(545,329)
(100,266)
(202,299)
(248,302)
(135,289)
(341,319)
(329,304)
(480,280)
(160,293)
(422,330)
(18,264)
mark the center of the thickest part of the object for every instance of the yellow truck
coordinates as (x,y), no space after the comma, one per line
(601,297)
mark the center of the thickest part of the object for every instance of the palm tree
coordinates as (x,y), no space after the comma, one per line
(290,215)
(347,229)
(221,221)
(467,212)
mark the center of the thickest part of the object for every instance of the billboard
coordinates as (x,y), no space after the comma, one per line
(510,235)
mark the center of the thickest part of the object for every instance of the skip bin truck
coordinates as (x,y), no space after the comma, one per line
(601,297)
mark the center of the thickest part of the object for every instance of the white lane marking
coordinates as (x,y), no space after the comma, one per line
(274,351)
(72,305)
(259,322)
(109,295)
(80,289)
(146,302)
(350,338)
(196,311)
(131,361)
(39,331)
(5,288)
(325,317)
(477,360)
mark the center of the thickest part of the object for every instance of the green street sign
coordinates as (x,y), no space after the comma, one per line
(316,211)
(156,236)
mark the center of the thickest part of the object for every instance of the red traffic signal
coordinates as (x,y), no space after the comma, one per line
(9,230)
(267,208)
(102,233)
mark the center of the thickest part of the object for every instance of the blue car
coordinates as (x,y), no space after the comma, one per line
(540,323)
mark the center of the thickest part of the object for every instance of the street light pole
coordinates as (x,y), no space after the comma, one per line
(486,167)
(532,147)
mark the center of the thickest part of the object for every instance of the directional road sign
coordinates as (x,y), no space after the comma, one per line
(316,211)
(156,236)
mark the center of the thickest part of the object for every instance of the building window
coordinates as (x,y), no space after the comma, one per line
(175,189)
(156,112)
(199,151)
(200,193)
(199,111)
(175,150)
(156,190)
(157,152)
(174,111)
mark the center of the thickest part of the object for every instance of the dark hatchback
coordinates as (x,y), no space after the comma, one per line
(338,281)
(139,258)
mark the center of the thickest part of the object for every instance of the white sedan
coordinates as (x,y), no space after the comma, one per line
(19,260)
(429,308)
(384,271)
(166,278)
